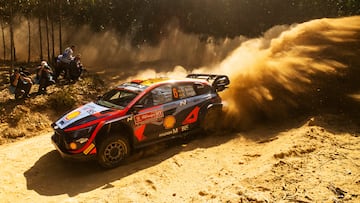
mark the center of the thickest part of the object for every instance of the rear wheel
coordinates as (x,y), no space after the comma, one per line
(212,120)
(113,150)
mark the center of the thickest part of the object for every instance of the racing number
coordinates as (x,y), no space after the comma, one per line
(175,93)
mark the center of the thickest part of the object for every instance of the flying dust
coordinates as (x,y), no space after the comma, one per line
(310,67)
(289,71)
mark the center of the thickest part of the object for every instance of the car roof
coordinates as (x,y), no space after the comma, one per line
(139,85)
(143,84)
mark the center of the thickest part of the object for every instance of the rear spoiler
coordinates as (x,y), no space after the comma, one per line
(219,82)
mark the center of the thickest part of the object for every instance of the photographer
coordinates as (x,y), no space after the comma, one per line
(44,77)
(76,68)
(20,83)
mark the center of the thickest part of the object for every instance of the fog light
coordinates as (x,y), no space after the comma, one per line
(73,145)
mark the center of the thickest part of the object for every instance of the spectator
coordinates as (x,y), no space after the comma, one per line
(67,56)
(76,68)
(44,77)
(20,83)
(63,63)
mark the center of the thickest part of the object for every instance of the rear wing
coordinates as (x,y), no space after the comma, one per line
(219,82)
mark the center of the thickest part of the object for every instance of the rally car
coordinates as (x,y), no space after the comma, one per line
(139,113)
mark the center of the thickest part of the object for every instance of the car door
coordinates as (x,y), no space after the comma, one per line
(187,111)
(157,106)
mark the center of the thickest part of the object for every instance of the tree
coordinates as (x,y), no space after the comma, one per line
(12,43)
(47,30)
(144,20)
(27,8)
(3,39)
(59,2)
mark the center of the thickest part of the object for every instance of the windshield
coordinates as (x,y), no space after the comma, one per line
(117,98)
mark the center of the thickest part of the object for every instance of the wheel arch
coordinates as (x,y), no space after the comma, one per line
(207,107)
(209,110)
(119,128)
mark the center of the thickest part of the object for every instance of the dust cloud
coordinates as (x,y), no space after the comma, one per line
(289,71)
(309,67)
(115,56)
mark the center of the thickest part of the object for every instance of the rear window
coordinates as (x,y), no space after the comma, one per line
(202,88)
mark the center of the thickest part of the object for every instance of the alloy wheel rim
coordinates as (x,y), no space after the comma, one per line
(115,152)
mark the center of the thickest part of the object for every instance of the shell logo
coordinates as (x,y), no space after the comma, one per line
(169,122)
(72,115)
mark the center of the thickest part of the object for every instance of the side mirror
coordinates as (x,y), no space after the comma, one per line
(136,108)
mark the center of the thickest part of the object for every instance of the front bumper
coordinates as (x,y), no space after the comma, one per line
(66,155)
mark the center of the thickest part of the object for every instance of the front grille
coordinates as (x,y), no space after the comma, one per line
(59,138)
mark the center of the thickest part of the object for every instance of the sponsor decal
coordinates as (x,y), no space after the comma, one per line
(169,122)
(152,81)
(139,132)
(184,128)
(182,103)
(79,113)
(192,117)
(89,148)
(72,115)
(148,117)
(175,131)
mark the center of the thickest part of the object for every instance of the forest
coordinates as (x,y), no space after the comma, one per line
(145,20)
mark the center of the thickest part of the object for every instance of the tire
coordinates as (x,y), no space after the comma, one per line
(113,150)
(212,120)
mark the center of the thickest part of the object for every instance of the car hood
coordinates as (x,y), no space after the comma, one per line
(80,113)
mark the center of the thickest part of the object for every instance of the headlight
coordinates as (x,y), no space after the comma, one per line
(77,138)
(82,133)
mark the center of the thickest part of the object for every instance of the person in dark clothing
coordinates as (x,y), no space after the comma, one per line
(20,84)
(44,77)
(76,68)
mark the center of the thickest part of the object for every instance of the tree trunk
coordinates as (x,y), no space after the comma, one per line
(3,39)
(47,36)
(52,41)
(40,39)
(29,33)
(52,32)
(12,45)
(60,24)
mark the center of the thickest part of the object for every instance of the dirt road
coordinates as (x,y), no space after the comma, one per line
(309,161)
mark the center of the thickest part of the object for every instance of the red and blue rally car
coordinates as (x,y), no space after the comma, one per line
(137,114)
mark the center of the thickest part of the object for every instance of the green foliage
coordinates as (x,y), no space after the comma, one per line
(62,100)
(145,20)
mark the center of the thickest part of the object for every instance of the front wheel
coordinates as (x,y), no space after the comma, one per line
(113,150)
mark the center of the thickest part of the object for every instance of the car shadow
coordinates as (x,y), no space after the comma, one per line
(51,175)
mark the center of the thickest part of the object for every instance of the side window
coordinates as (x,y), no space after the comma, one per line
(162,94)
(202,89)
(147,100)
(185,91)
